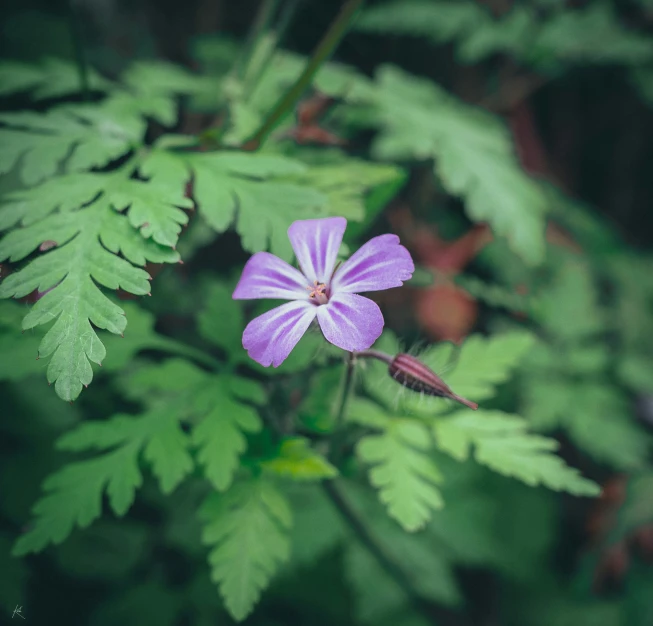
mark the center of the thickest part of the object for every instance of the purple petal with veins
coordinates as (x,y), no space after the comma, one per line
(316,244)
(350,322)
(267,276)
(270,338)
(382,263)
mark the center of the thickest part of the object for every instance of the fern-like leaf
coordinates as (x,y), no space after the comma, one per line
(52,78)
(473,153)
(214,404)
(502,443)
(248,529)
(402,469)
(84,242)
(75,137)
(76,495)
(233,186)
(76,490)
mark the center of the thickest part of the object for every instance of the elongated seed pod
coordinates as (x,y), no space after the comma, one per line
(413,374)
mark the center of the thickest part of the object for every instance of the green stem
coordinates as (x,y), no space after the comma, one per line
(80,51)
(375,548)
(322,52)
(338,427)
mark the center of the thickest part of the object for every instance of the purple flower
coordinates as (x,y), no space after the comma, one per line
(347,320)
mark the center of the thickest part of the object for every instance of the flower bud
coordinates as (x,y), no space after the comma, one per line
(412,373)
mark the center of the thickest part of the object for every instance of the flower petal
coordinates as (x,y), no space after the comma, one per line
(267,276)
(350,322)
(270,338)
(316,244)
(381,263)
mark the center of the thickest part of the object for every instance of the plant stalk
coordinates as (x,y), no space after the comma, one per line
(322,52)
(375,548)
(347,386)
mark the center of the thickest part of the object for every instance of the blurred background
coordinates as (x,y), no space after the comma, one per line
(573,83)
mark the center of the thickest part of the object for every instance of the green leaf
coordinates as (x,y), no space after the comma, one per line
(53,78)
(167,78)
(502,443)
(215,405)
(594,414)
(592,34)
(219,436)
(74,496)
(474,157)
(152,208)
(438,21)
(74,137)
(568,309)
(248,528)
(243,188)
(402,468)
(81,253)
(295,459)
(346,183)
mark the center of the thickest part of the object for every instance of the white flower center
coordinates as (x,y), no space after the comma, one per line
(317,292)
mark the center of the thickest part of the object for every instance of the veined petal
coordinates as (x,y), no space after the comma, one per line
(316,244)
(350,322)
(267,276)
(381,263)
(270,338)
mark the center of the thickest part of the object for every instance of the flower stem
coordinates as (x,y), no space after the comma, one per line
(375,548)
(347,386)
(322,52)
(374,354)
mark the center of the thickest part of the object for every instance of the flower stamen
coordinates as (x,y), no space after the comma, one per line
(318,292)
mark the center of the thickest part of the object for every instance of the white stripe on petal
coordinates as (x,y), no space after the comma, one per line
(270,338)
(350,322)
(382,263)
(316,244)
(267,276)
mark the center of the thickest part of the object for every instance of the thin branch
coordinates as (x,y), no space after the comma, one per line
(375,548)
(322,52)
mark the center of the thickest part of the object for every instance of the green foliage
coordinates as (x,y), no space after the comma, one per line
(473,153)
(248,529)
(567,382)
(502,443)
(295,459)
(230,186)
(474,372)
(86,239)
(74,137)
(232,459)
(544,37)
(75,491)
(214,404)
(402,468)
(53,78)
